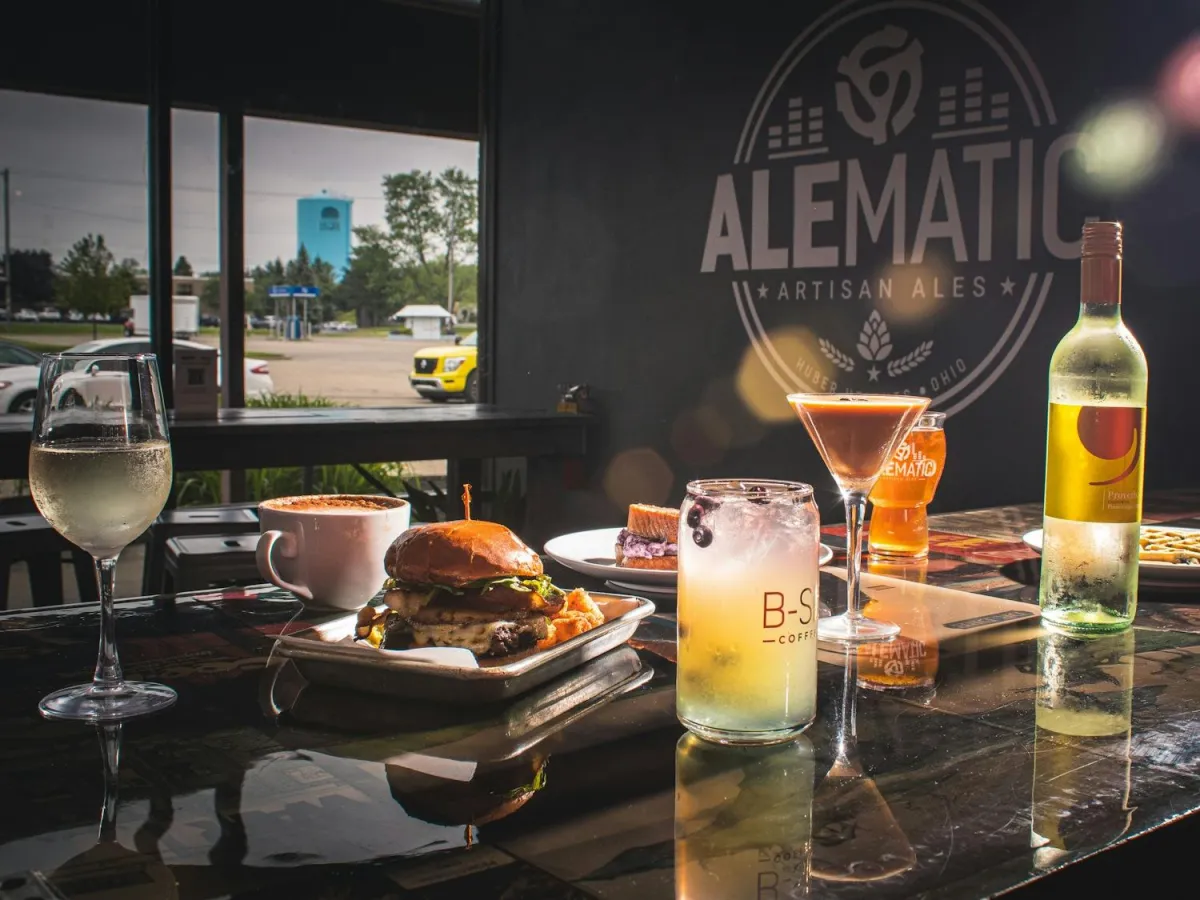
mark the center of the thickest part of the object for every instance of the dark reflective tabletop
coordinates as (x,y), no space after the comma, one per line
(963,760)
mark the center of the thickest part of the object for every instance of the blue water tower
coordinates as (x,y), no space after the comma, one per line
(323,227)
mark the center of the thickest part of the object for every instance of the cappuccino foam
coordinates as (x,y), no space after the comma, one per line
(334,503)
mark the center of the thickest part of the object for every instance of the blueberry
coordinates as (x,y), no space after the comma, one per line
(702,536)
(694,514)
(706,503)
(758,492)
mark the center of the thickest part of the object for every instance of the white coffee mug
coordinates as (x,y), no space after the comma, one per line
(328,549)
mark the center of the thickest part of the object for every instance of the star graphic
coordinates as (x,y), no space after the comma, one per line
(762,292)
(1007,285)
(873,373)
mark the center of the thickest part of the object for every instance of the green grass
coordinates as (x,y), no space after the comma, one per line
(54,329)
(266,354)
(38,346)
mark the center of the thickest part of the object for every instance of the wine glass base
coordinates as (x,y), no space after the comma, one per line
(84,703)
(845,630)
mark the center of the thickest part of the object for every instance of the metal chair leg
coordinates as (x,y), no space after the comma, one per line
(45,578)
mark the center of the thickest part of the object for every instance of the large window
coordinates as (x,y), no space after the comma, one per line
(372,221)
(77,207)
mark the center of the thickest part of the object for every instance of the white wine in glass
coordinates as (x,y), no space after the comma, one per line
(100,472)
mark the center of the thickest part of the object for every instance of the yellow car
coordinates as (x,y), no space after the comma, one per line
(440,373)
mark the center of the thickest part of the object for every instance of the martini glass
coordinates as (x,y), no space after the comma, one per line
(856,435)
(856,838)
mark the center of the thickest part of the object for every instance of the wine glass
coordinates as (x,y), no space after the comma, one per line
(856,435)
(130,874)
(100,471)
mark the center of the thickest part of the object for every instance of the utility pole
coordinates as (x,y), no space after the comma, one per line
(7,254)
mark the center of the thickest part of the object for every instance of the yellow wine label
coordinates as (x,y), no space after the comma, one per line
(1094,462)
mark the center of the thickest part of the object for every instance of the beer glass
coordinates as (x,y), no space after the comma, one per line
(899,526)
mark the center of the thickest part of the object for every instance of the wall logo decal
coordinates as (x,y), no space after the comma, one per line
(906,62)
(898,209)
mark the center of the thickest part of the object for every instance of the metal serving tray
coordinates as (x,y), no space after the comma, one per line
(325,655)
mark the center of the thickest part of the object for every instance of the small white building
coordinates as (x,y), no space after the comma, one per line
(425,319)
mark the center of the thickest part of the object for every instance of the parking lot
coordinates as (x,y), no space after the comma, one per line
(361,371)
(368,370)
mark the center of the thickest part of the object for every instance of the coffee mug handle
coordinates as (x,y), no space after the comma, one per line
(266,544)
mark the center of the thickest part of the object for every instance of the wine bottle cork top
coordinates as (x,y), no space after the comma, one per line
(1101,239)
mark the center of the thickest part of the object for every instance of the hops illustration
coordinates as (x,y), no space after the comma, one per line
(911,360)
(836,356)
(874,341)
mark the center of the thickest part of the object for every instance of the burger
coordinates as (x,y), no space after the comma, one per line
(493,794)
(470,584)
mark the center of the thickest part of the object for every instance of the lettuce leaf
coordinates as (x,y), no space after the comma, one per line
(540,584)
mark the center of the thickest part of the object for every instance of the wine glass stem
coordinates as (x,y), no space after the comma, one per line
(856,510)
(108,677)
(110,752)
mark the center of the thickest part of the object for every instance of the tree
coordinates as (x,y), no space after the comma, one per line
(371,284)
(210,293)
(89,280)
(458,195)
(430,217)
(183,267)
(413,217)
(264,278)
(32,279)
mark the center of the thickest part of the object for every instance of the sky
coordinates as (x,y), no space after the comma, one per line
(79,166)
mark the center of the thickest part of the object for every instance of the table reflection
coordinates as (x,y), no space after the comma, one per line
(743,819)
(1084,714)
(855,836)
(108,869)
(907,664)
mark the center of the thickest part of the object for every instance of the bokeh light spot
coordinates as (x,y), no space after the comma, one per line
(1120,146)
(1179,86)
(762,395)
(905,303)
(639,475)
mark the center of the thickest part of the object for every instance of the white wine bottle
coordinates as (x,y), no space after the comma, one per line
(1095,448)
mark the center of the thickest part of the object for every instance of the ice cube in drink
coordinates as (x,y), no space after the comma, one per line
(747,610)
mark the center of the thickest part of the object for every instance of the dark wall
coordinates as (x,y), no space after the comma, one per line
(619,125)
(369,63)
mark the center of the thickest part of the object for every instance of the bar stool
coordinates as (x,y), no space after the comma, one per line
(196,563)
(28,538)
(191,522)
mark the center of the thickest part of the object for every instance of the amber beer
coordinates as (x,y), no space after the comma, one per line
(908,663)
(899,527)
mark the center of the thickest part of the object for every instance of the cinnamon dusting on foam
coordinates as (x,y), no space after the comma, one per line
(334,503)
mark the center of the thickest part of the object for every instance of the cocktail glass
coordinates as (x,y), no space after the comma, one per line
(856,435)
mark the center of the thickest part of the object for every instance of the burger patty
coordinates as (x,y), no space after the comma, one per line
(494,598)
(483,633)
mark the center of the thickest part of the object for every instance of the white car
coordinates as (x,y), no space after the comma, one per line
(18,384)
(25,315)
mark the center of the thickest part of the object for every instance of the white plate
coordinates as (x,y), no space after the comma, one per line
(1154,572)
(651,590)
(591,552)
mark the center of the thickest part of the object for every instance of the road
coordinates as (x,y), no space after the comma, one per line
(357,371)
